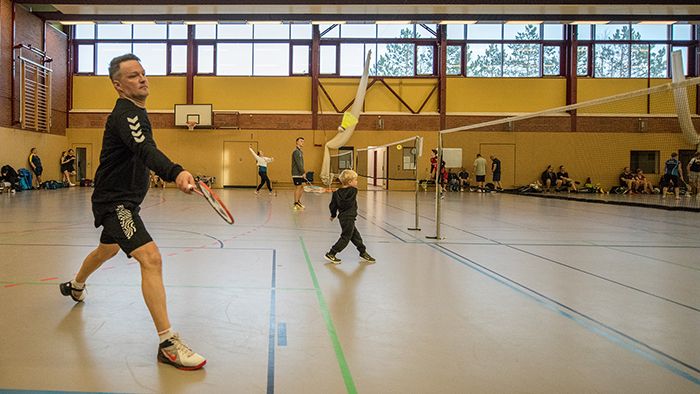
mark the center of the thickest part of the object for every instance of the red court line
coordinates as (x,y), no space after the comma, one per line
(47,279)
(12,285)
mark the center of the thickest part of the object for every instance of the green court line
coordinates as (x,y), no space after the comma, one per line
(342,363)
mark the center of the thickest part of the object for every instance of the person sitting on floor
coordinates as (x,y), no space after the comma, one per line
(549,179)
(643,184)
(627,180)
(567,182)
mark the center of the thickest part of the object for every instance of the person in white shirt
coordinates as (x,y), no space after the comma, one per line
(262,162)
(480,171)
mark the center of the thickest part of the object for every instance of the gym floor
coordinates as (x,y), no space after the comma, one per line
(522,295)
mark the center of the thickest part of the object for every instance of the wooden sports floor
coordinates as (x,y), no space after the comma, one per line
(523,295)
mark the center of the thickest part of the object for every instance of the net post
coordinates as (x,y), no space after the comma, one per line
(415,161)
(437,189)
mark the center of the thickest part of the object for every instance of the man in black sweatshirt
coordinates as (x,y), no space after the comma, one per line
(121,183)
(344,205)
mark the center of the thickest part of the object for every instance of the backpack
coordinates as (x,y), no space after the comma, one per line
(25,179)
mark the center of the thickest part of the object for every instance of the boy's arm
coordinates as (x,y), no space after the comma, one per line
(333,206)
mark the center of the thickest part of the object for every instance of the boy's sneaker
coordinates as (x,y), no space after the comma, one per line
(176,353)
(67,289)
(297,205)
(331,257)
(367,258)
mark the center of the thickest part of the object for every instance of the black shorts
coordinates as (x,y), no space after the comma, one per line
(481,178)
(298,181)
(125,228)
(669,180)
(37,171)
(496,176)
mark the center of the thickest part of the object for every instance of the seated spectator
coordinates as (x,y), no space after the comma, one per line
(9,175)
(549,179)
(453,181)
(463,179)
(567,182)
(627,180)
(642,183)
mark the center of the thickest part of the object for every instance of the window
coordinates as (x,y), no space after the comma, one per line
(582,61)
(205,59)
(396,31)
(113,32)
(270,59)
(153,57)
(84,32)
(425,60)
(150,32)
(583,32)
(484,32)
(454,60)
(521,60)
(205,32)
(86,58)
(648,161)
(682,32)
(108,51)
(456,32)
(551,61)
(612,60)
(684,56)
(612,32)
(553,32)
(233,59)
(178,59)
(271,32)
(242,32)
(301,32)
(358,31)
(300,59)
(395,60)
(177,32)
(328,59)
(484,60)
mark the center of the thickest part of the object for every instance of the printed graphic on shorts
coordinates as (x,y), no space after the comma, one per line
(126,221)
(135,127)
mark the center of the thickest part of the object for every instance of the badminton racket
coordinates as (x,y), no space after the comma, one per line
(203,190)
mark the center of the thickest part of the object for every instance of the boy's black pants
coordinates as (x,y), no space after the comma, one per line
(348,233)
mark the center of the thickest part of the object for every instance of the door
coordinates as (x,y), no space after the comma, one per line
(240,168)
(506,154)
(83,161)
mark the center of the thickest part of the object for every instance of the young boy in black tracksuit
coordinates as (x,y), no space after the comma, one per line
(344,204)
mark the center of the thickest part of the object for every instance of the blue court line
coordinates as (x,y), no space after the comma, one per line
(605,279)
(613,335)
(390,233)
(273,326)
(282,334)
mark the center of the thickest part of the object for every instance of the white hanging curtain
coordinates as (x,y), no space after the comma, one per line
(348,124)
(680,95)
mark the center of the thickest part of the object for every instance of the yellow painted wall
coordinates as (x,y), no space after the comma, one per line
(254,93)
(16,144)
(90,92)
(600,156)
(504,94)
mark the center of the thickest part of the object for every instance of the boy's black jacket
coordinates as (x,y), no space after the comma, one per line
(344,203)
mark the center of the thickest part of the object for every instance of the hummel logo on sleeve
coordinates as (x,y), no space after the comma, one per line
(135,127)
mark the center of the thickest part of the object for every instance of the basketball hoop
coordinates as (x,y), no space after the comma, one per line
(191,124)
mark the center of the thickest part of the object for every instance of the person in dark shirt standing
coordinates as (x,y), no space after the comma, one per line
(121,183)
(298,172)
(496,172)
(344,206)
(673,173)
(35,164)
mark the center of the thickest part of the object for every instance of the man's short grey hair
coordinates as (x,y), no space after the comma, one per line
(117,61)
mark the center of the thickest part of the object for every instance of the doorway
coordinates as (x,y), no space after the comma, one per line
(83,161)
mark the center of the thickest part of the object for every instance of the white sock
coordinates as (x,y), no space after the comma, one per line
(77,285)
(166,334)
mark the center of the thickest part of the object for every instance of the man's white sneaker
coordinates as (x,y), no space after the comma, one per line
(176,353)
